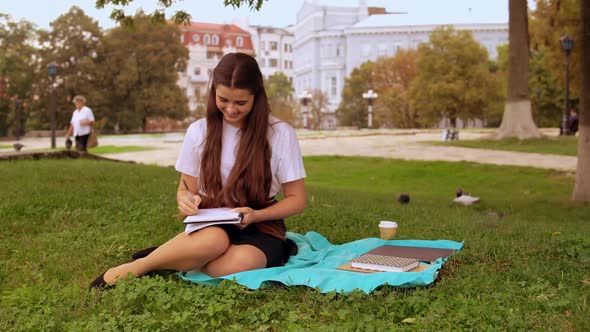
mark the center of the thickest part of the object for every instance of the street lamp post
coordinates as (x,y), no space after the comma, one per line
(52,71)
(567,43)
(370,96)
(305,98)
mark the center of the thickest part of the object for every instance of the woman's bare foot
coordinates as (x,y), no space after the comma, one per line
(112,275)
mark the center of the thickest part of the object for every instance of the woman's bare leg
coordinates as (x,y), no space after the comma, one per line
(237,258)
(181,253)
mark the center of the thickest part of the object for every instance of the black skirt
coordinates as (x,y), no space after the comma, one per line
(277,251)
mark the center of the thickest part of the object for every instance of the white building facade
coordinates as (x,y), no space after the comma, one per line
(330,41)
(274,50)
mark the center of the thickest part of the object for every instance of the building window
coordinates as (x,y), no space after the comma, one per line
(274,45)
(196,38)
(286,65)
(337,50)
(290,48)
(286,48)
(215,40)
(273,63)
(333,86)
(206,39)
(197,71)
(240,41)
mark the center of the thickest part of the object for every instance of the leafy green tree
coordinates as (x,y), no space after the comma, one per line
(18,64)
(75,43)
(550,21)
(280,97)
(498,69)
(581,191)
(392,78)
(317,106)
(546,94)
(140,69)
(453,78)
(352,110)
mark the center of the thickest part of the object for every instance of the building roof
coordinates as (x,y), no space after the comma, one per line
(392,20)
(226,33)
(214,27)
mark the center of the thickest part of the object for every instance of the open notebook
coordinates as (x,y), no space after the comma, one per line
(209,217)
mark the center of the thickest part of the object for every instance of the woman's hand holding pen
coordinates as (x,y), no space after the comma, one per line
(188,204)
(250,216)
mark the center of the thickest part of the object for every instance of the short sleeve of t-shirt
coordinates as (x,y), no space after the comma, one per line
(290,160)
(189,159)
(90,115)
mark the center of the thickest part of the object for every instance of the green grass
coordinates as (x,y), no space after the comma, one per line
(5,146)
(65,221)
(107,149)
(152,135)
(103,149)
(567,146)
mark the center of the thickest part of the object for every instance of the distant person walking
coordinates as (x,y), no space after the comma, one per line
(81,123)
(572,123)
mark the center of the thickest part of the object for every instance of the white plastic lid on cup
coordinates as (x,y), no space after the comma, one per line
(388,224)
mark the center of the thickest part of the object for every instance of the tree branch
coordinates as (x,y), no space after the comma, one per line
(179,17)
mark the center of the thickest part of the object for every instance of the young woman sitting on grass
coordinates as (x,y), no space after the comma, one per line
(239,156)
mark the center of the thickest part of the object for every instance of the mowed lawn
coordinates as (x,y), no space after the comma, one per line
(106,149)
(525,264)
(562,145)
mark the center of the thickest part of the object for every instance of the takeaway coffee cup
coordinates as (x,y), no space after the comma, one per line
(387,229)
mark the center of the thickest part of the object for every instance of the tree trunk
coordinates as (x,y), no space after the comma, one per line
(144,122)
(582,188)
(517,120)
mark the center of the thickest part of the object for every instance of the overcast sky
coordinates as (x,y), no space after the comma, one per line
(279,13)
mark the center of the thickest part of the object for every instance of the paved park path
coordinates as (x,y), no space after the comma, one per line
(399,144)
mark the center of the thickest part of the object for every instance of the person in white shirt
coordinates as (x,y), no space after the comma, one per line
(81,123)
(240,157)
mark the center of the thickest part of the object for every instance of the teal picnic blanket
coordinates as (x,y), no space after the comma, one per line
(315,266)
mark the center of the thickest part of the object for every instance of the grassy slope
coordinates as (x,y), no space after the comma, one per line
(64,222)
(106,149)
(567,146)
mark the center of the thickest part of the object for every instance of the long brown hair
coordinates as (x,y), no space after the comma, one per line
(249,181)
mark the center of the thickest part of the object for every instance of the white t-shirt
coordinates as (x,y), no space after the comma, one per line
(84,113)
(286,161)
